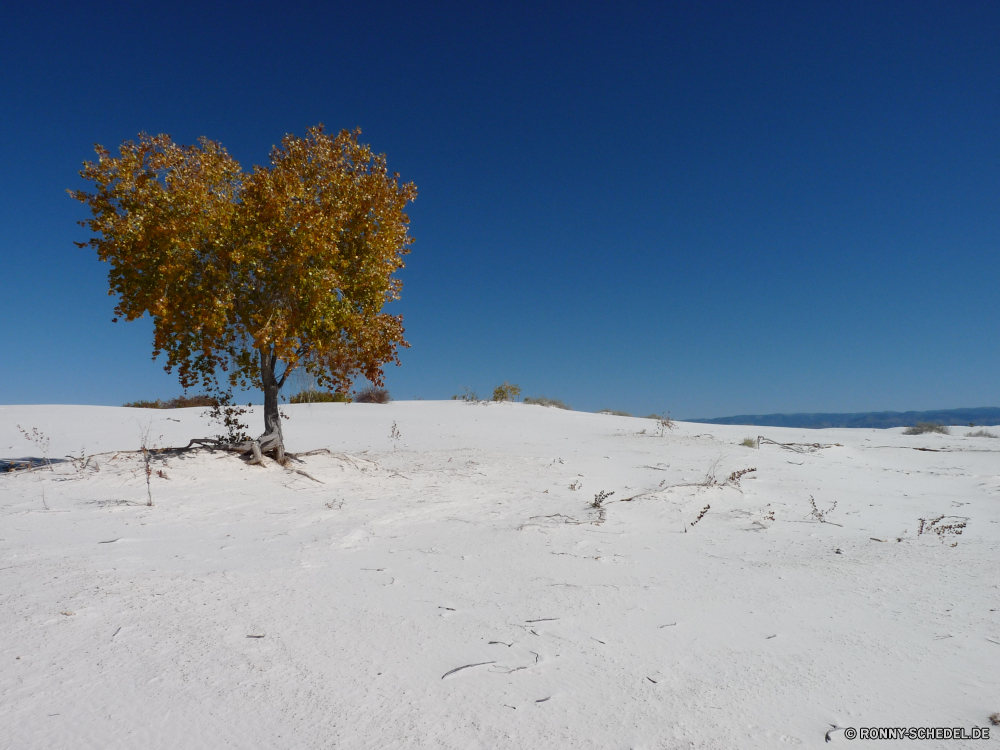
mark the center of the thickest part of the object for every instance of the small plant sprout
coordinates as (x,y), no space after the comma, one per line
(575,484)
(469,396)
(600,497)
(736,476)
(40,439)
(820,515)
(955,525)
(598,504)
(701,515)
(663,423)
(394,435)
(146,458)
(765,514)
(710,480)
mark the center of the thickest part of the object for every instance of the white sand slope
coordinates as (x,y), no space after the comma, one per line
(254,608)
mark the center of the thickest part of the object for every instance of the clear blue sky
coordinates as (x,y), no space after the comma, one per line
(706,208)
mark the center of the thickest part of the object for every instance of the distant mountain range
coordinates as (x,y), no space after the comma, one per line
(984,415)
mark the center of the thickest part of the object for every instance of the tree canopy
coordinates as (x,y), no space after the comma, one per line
(250,275)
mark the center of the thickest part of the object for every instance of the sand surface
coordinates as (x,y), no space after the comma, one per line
(455,588)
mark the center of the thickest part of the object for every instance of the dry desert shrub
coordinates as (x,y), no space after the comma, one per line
(921,428)
(313,396)
(506,391)
(980,433)
(181,402)
(543,401)
(372,395)
(750,442)
(615,413)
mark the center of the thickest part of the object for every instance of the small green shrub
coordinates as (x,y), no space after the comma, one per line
(506,392)
(750,442)
(615,413)
(923,427)
(980,433)
(373,394)
(470,396)
(313,396)
(543,401)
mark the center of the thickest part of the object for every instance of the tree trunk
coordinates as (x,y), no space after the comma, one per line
(272,439)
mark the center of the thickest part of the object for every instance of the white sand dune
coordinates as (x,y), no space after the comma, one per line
(255,608)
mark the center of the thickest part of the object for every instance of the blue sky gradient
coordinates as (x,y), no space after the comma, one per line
(725,209)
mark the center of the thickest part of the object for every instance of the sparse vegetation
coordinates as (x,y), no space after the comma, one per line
(181,402)
(614,413)
(750,442)
(229,416)
(372,395)
(314,396)
(736,476)
(820,515)
(664,423)
(469,396)
(701,515)
(600,497)
(145,449)
(980,433)
(40,439)
(543,401)
(921,428)
(955,525)
(506,391)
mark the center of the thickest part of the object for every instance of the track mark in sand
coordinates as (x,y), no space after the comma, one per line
(668,625)
(466,666)
(111,541)
(261,635)
(542,700)
(543,619)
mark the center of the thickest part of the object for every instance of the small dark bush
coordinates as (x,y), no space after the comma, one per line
(923,427)
(543,401)
(980,433)
(181,402)
(372,395)
(312,396)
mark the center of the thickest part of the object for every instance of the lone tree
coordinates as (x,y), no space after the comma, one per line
(249,276)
